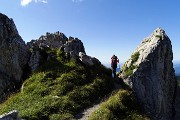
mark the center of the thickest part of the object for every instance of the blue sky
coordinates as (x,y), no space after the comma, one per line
(105,27)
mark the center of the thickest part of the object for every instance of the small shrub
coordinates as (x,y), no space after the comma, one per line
(159,36)
(134,57)
(129,71)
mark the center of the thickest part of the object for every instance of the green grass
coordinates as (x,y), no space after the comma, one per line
(159,36)
(178,80)
(134,57)
(121,106)
(128,71)
(59,89)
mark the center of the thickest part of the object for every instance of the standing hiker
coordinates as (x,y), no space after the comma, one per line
(114,62)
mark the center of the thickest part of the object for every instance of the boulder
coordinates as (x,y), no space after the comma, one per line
(88,60)
(74,44)
(150,73)
(14,55)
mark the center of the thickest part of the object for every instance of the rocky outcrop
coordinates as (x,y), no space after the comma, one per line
(151,75)
(34,60)
(13,115)
(88,60)
(71,46)
(13,55)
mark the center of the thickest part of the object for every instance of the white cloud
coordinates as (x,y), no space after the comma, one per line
(26,2)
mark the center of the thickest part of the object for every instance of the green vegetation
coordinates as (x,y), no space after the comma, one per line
(147,40)
(159,36)
(59,89)
(134,57)
(121,106)
(178,80)
(128,71)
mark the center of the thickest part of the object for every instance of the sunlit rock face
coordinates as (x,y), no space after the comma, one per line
(151,75)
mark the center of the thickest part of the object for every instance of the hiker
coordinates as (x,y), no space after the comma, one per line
(114,62)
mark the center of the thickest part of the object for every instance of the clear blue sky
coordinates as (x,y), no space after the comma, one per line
(105,27)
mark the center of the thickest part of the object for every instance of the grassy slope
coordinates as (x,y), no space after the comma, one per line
(59,89)
(121,106)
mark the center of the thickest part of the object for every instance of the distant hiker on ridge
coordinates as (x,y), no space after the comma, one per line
(114,62)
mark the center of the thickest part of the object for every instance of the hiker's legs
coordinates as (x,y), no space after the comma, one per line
(114,72)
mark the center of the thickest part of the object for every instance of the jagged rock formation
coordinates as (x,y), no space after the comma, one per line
(13,55)
(71,46)
(151,75)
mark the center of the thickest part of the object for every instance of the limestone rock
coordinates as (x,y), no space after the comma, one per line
(13,55)
(34,60)
(74,44)
(88,60)
(151,75)
(71,46)
(12,115)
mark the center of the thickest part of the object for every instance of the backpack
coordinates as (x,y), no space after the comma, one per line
(114,61)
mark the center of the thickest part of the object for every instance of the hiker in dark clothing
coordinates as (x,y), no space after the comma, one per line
(114,62)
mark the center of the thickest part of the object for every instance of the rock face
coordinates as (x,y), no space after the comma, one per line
(151,75)
(13,55)
(88,60)
(57,40)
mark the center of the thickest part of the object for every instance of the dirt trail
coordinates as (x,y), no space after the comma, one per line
(84,115)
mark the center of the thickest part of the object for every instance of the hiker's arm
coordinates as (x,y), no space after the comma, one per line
(117,60)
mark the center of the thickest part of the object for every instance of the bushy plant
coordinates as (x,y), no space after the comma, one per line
(134,57)
(128,71)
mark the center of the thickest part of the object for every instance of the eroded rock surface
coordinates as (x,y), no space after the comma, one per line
(151,75)
(13,55)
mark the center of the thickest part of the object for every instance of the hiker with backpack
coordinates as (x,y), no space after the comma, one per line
(114,62)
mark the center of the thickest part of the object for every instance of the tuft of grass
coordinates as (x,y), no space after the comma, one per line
(59,89)
(135,57)
(128,71)
(159,36)
(121,106)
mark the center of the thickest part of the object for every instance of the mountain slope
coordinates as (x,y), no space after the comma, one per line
(59,88)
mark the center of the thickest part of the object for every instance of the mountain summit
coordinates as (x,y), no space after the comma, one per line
(151,75)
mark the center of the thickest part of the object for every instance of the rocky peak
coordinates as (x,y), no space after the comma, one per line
(57,40)
(150,73)
(13,55)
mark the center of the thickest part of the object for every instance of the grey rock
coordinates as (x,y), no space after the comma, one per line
(34,60)
(14,55)
(88,60)
(74,45)
(12,115)
(57,40)
(153,77)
